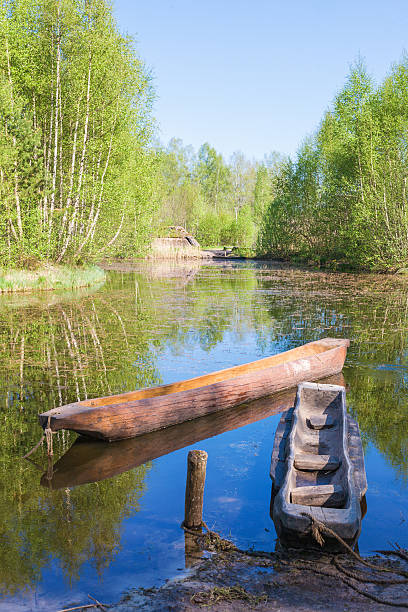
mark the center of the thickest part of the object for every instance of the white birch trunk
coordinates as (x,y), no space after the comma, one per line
(56,128)
(81,167)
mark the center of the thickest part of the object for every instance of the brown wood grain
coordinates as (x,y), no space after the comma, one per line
(90,460)
(318,495)
(195,483)
(115,419)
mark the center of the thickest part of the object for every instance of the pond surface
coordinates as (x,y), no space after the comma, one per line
(63,535)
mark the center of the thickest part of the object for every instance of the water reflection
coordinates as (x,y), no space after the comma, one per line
(152,324)
(90,460)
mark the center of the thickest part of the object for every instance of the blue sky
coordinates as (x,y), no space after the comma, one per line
(257,75)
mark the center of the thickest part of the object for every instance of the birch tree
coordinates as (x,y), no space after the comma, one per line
(79,88)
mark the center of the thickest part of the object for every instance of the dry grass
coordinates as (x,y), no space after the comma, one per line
(167,248)
(227,594)
(49,277)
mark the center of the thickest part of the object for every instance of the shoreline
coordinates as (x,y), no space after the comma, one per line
(282,580)
(50,277)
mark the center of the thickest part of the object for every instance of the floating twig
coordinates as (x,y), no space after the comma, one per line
(98,603)
(84,607)
(34,447)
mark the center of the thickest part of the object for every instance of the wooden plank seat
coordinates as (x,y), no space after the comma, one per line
(330,496)
(309,462)
(320,421)
(324,476)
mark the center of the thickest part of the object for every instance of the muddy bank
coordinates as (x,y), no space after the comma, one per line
(280,581)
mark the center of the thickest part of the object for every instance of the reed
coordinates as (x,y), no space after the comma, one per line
(173,248)
(49,277)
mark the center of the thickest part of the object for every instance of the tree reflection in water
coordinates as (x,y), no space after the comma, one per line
(60,348)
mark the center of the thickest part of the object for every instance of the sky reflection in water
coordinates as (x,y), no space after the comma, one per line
(161,324)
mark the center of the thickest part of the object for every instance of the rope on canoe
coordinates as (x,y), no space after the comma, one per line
(326,572)
(319,528)
(46,436)
(212,540)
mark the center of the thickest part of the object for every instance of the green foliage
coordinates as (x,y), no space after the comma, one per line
(87,344)
(219,203)
(56,349)
(214,176)
(209,229)
(343,201)
(76,176)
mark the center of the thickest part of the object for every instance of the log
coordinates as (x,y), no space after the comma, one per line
(90,460)
(196,470)
(138,412)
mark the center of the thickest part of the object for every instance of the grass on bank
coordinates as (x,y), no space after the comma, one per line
(49,277)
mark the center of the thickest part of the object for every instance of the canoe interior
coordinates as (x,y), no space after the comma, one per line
(136,413)
(299,352)
(355,449)
(319,463)
(319,474)
(317,469)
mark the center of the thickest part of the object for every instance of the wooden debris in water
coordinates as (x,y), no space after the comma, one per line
(228,594)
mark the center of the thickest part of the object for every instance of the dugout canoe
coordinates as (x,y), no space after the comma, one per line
(317,468)
(138,412)
(91,460)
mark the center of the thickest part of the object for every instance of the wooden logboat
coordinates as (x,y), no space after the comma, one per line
(89,460)
(317,468)
(138,412)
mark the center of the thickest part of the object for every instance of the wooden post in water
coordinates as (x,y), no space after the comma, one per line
(193,516)
(196,469)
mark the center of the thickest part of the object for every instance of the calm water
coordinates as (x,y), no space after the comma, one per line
(160,324)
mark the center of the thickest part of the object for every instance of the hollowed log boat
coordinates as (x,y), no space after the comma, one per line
(138,412)
(317,468)
(91,460)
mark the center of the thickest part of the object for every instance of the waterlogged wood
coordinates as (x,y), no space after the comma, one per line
(195,483)
(329,496)
(309,462)
(356,453)
(355,448)
(303,484)
(318,421)
(135,413)
(89,460)
(193,553)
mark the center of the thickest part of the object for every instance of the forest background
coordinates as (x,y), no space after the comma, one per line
(82,175)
